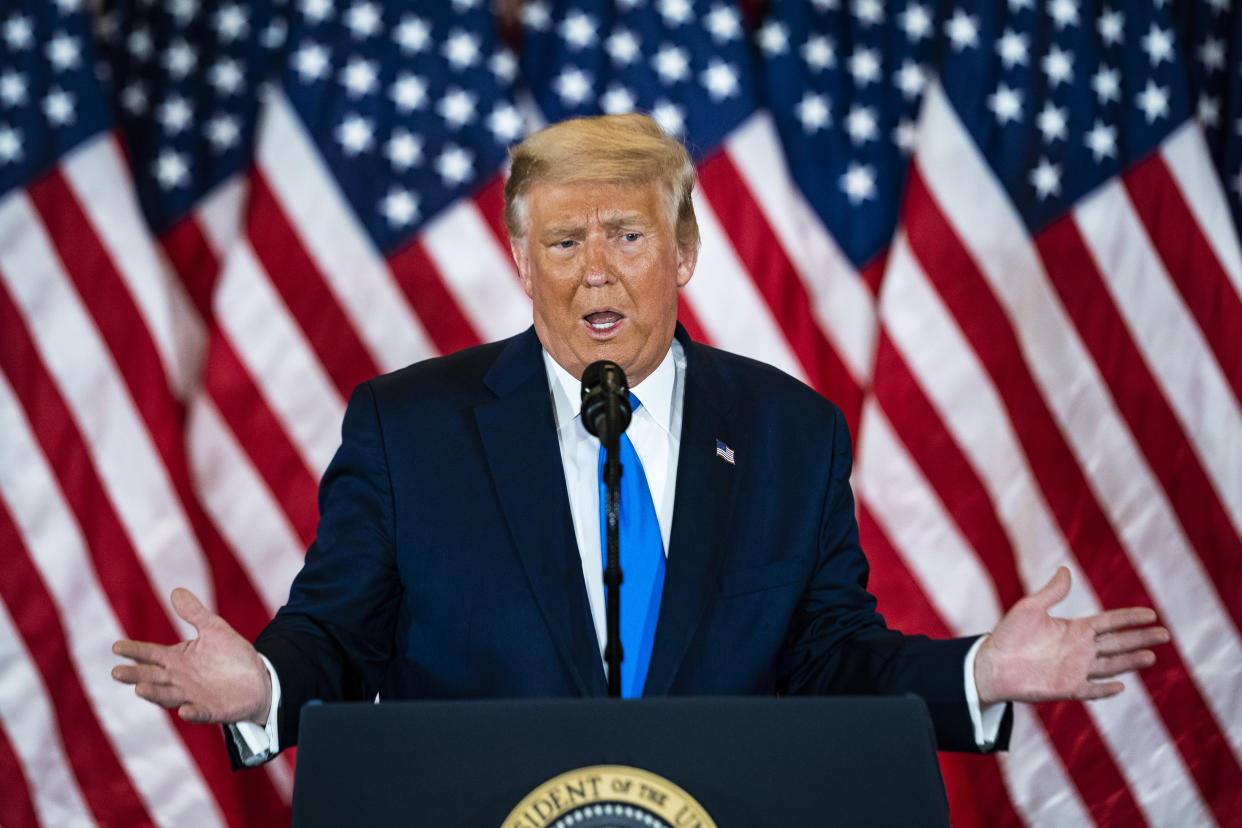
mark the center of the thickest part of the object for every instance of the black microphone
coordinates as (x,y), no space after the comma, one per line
(605,401)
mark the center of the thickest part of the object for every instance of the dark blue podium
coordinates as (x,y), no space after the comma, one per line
(578,763)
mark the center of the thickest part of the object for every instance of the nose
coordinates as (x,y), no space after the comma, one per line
(595,258)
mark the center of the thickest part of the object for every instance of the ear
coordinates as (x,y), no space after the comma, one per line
(521,260)
(686,260)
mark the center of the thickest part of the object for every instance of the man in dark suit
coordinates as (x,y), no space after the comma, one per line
(457,554)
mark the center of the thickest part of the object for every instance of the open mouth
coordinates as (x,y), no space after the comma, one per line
(603,322)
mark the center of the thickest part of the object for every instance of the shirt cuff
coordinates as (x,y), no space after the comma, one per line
(986,721)
(256,745)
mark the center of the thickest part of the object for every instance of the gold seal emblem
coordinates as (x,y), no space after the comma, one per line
(608,796)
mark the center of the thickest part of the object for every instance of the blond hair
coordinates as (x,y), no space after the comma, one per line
(621,149)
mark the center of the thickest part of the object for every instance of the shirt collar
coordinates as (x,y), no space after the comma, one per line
(655,392)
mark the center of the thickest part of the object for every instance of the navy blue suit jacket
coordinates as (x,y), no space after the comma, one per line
(446,565)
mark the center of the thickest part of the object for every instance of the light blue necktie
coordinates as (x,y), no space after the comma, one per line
(642,563)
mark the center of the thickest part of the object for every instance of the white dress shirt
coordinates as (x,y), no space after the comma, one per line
(655,431)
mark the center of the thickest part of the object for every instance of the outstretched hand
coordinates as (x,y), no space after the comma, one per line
(1032,656)
(216,677)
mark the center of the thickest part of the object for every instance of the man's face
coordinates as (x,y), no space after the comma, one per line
(601,265)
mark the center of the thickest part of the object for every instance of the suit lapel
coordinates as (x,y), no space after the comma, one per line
(519,438)
(701,512)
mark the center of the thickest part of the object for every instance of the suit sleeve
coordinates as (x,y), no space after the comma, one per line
(840,645)
(333,640)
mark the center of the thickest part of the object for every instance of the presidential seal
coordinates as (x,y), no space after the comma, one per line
(608,796)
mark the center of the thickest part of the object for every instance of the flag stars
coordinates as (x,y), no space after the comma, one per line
(1046,179)
(814,112)
(723,23)
(400,207)
(670,116)
(457,108)
(1158,44)
(403,150)
(1063,13)
(359,77)
(578,30)
(175,114)
(1006,104)
(916,22)
(455,165)
(226,77)
(316,11)
(869,12)
(180,59)
(1111,26)
(363,20)
(963,31)
(505,123)
(617,100)
(63,52)
(1058,65)
(10,145)
(536,16)
(1208,111)
(860,123)
(1102,141)
(223,132)
(183,11)
(412,34)
(622,47)
(774,38)
(573,86)
(1154,101)
(355,134)
(231,23)
(819,52)
(503,65)
(1106,83)
(461,49)
(905,136)
(720,80)
(911,79)
(1013,49)
(17,33)
(1212,55)
(171,170)
(858,183)
(311,62)
(134,99)
(139,44)
(672,64)
(676,12)
(1052,122)
(864,65)
(409,92)
(12,88)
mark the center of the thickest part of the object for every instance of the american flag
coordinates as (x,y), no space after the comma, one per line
(1002,236)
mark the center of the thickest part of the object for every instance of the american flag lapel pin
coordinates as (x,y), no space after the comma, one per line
(725,452)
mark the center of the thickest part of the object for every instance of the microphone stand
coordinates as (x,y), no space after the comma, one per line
(613,654)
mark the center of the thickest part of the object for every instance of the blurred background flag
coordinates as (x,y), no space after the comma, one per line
(1002,236)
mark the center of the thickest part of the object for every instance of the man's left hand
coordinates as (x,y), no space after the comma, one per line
(1032,656)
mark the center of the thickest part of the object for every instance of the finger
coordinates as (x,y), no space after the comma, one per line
(1053,592)
(191,609)
(1123,641)
(144,652)
(1099,690)
(162,694)
(140,674)
(195,713)
(1110,666)
(1116,619)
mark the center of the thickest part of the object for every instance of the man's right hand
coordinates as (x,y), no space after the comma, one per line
(217,677)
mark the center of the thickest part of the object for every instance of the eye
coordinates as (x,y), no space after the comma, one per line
(632,237)
(565,244)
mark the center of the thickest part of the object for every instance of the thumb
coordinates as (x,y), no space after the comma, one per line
(1053,592)
(191,609)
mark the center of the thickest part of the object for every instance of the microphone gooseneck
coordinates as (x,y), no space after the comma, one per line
(606,414)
